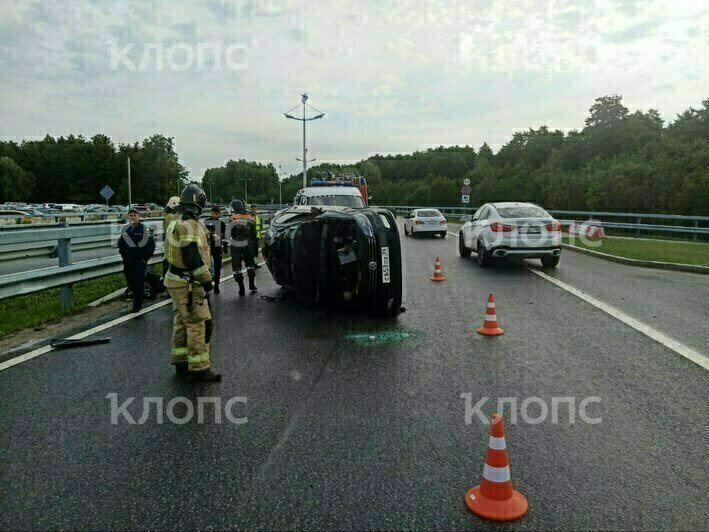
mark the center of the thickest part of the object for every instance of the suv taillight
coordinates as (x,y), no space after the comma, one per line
(443,222)
(554,226)
(500,227)
(418,222)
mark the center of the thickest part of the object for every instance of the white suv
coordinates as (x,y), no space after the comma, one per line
(522,230)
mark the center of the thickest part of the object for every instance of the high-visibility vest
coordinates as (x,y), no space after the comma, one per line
(257,221)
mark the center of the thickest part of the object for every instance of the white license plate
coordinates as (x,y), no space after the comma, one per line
(386,270)
(530,230)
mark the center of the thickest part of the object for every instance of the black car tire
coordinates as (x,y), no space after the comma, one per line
(550,262)
(484,258)
(464,252)
(443,234)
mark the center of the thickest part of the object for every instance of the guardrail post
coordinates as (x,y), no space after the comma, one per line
(696,226)
(66,293)
(637,232)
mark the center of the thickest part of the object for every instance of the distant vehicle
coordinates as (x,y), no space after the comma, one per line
(426,221)
(117,208)
(337,256)
(328,189)
(35,212)
(153,206)
(509,229)
(95,208)
(68,206)
(14,213)
(142,209)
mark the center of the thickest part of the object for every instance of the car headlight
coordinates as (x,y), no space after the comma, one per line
(364,224)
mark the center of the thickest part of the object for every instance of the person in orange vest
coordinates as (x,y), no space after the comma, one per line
(242,231)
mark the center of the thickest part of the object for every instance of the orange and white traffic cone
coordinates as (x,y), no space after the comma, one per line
(490,327)
(494,498)
(437,275)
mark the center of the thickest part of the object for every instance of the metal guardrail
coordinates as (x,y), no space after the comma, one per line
(584,216)
(65,239)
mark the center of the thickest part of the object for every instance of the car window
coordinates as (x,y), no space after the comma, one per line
(482,213)
(429,214)
(522,211)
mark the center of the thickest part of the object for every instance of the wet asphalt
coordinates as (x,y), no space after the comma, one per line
(359,423)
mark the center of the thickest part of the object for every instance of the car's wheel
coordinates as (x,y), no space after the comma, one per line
(550,262)
(443,234)
(464,252)
(484,258)
(413,233)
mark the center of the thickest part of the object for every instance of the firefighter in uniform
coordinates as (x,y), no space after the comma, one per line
(189,282)
(136,245)
(259,227)
(242,232)
(217,241)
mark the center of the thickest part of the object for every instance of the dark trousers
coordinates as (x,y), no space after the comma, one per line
(254,249)
(217,258)
(135,278)
(241,254)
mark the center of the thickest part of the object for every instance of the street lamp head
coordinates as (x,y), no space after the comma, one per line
(305,97)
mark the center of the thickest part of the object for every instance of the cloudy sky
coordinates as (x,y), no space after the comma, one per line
(391,76)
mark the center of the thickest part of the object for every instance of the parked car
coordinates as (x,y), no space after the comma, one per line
(142,209)
(24,216)
(425,221)
(523,230)
(337,256)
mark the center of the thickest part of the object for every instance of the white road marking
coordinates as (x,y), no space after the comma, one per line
(668,342)
(639,326)
(46,349)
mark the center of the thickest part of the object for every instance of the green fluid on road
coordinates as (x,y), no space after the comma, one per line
(379,337)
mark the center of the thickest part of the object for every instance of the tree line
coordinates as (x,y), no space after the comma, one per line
(619,161)
(74,169)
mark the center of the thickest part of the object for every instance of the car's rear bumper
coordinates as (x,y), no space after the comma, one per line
(526,253)
(430,228)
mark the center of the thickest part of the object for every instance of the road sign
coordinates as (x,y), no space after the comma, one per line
(106,192)
(466,181)
(465,198)
(465,190)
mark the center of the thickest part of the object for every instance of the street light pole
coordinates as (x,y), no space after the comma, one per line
(130,198)
(304,99)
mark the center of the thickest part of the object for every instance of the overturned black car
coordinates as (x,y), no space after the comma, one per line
(337,256)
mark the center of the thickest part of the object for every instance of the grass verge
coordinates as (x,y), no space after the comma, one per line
(32,310)
(657,250)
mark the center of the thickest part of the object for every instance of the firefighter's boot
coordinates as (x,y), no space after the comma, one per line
(252,276)
(206,376)
(240,280)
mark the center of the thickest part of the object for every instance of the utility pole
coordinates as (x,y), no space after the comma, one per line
(130,198)
(304,99)
(246,187)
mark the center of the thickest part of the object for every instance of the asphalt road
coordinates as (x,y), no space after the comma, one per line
(345,432)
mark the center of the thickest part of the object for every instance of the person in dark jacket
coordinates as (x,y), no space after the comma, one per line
(136,245)
(217,243)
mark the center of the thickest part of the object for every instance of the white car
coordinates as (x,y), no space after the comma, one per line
(425,221)
(509,229)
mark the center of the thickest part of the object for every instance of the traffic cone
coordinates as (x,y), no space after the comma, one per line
(494,498)
(437,275)
(490,327)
